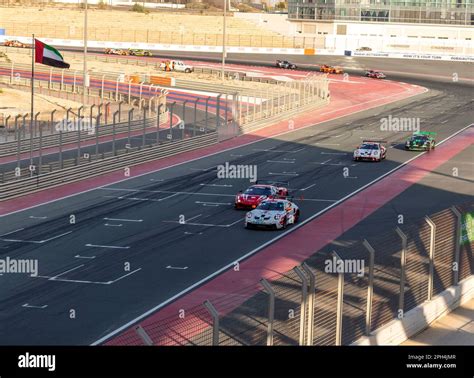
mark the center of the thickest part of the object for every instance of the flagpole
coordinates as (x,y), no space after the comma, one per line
(33,51)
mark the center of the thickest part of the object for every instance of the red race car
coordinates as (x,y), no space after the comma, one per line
(252,196)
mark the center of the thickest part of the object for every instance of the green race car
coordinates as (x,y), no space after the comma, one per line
(137,52)
(421,141)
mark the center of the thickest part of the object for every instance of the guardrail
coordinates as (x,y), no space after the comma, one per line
(109,164)
(368,285)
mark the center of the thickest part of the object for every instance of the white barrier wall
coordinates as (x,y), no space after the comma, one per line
(242,50)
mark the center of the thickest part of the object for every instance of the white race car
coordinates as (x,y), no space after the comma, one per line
(273,213)
(370,150)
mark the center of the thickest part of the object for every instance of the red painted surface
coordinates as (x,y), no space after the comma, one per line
(290,251)
(346,98)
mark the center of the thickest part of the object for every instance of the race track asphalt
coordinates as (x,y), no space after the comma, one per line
(127,250)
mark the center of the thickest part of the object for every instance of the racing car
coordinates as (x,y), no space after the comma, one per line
(15,43)
(330,69)
(370,150)
(285,64)
(138,52)
(375,74)
(273,214)
(421,140)
(255,194)
(116,51)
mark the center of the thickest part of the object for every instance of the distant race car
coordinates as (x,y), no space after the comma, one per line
(330,69)
(116,52)
(370,150)
(286,64)
(422,140)
(375,74)
(139,52)
(273,214)
(15,43)
(364,48)
(255,194)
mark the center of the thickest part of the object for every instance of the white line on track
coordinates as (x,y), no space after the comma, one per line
(165,191)
(192,233)
(202,169)
(12,232)
(333,153)
(63,273)
(206,224)
(34,217)
(280,151)
(314,200)
(283,173)
(123,220)
(326,163)
(26,305)
(280,161)
(213,203)
(218,185)
(113,225)
(105,246)
(264,245)
(195,217)
(308,187)
(35,241)
(177,267)
(84,257)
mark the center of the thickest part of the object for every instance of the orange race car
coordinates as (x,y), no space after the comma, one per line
(116,51)
(15,43)
(330,69)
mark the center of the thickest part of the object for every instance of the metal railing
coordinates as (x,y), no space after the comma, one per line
(309,305)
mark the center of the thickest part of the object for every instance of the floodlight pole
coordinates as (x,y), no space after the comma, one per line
(84,73)
(224,53)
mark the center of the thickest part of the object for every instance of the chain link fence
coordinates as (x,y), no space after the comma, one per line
(381,279)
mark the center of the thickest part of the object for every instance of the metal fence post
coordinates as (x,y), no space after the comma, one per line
(114,151)
(143,335)
(170,135)
(403,260)
(311,301)
(432,256)
(144,127)
(195,116)
(184,118)
(97,136)
(340,303)
(271,309)
(207,115)
(218,110)
(457,250)
(40,157)
(304,299)
(79,133)
(120,110)
(18,141)
(370,287)
(130,116)
(215,322)
(158,116)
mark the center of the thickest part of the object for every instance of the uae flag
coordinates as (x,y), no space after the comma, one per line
(48,55)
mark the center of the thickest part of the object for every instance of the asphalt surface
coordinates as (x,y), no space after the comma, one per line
(127,250)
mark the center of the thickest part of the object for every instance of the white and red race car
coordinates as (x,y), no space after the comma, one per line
(375,74)
(272,214)
(255,194)
(370,150)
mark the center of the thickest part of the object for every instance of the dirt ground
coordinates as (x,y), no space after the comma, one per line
(14,102)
